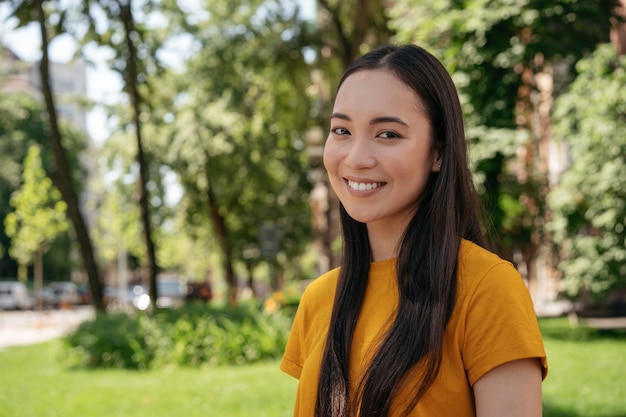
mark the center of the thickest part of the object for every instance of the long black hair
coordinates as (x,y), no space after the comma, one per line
(447,211)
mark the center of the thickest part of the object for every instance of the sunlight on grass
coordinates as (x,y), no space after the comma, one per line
(35,383)
(586,371)
(585,378)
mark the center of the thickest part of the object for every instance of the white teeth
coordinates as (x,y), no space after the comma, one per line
(363,186)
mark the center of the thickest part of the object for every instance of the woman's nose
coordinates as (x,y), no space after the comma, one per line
(360,154)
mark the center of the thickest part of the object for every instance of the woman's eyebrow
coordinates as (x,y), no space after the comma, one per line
(340,116)
(374,121)
(388,119)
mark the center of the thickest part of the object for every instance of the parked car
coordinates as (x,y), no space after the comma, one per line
(135,296)
(199,291)
(14,296)
(84,295)
(65,293)
(172,290)
(46,298)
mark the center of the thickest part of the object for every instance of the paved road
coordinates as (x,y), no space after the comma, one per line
(18,328)
(606,323)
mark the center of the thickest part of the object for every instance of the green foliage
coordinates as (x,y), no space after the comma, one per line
(23,125)
(560,328)
(39,215)
(118,216)
(222,127)
(193,336)
(589,204)
(227,339)
(115,341)
(234,131)
(494,49)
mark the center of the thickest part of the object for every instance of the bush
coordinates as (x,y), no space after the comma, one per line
(115,341)
(191,336)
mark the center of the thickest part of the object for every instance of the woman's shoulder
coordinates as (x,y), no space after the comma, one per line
(323,286)
(477,264)
(477,257)
(318,296)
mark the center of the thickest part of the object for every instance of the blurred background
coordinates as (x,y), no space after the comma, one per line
(163,201)
(156,153)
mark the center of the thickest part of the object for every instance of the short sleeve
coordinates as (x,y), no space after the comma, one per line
(500,323)
(292,360)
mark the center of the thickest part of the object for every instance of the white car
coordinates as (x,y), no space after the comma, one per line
(14,296)
(172,290)
(65,293)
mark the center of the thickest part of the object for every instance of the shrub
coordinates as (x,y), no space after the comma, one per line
(115,341)
(190,336)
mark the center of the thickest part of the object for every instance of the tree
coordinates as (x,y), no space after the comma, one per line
(344,31)
(39,217)
(23,124)
(509,60)
(235,133)
(118,225)
(589,204)
(61,174)
(134,54)
(346,28)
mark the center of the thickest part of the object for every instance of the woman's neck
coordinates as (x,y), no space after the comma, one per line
(384,240)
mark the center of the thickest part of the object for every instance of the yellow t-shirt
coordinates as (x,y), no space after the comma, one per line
(493,323)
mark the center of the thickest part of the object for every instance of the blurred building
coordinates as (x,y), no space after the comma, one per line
(69,84)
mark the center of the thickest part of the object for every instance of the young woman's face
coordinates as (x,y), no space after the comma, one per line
(378,153)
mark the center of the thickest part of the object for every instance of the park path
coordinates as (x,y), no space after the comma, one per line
(19,328)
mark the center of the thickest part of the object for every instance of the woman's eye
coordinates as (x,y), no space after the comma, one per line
(340,131)
(388,135)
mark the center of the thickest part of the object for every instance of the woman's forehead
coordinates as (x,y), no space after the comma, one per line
(375,89)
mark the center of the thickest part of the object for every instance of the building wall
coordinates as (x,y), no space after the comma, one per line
(69,84)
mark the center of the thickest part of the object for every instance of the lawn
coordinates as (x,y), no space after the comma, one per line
(35,383)
(587,372)
(586,379)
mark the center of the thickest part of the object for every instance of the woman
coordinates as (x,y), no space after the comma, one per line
(425,322)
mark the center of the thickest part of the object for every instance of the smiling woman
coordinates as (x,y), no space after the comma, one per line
(425,320)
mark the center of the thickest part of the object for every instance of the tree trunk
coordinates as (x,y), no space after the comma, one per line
(535,105)
(38,278)
(131,84)
(61,175)
(618,28)
(221,230)
(251,285)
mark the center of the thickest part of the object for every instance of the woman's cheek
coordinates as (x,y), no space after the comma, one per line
(329,154)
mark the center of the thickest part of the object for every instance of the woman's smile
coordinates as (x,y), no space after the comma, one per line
(364,186)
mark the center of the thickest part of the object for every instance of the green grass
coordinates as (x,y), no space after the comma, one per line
(34,382)
(587,378)
(587,371)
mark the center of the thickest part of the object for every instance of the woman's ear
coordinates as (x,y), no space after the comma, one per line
(437,162)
